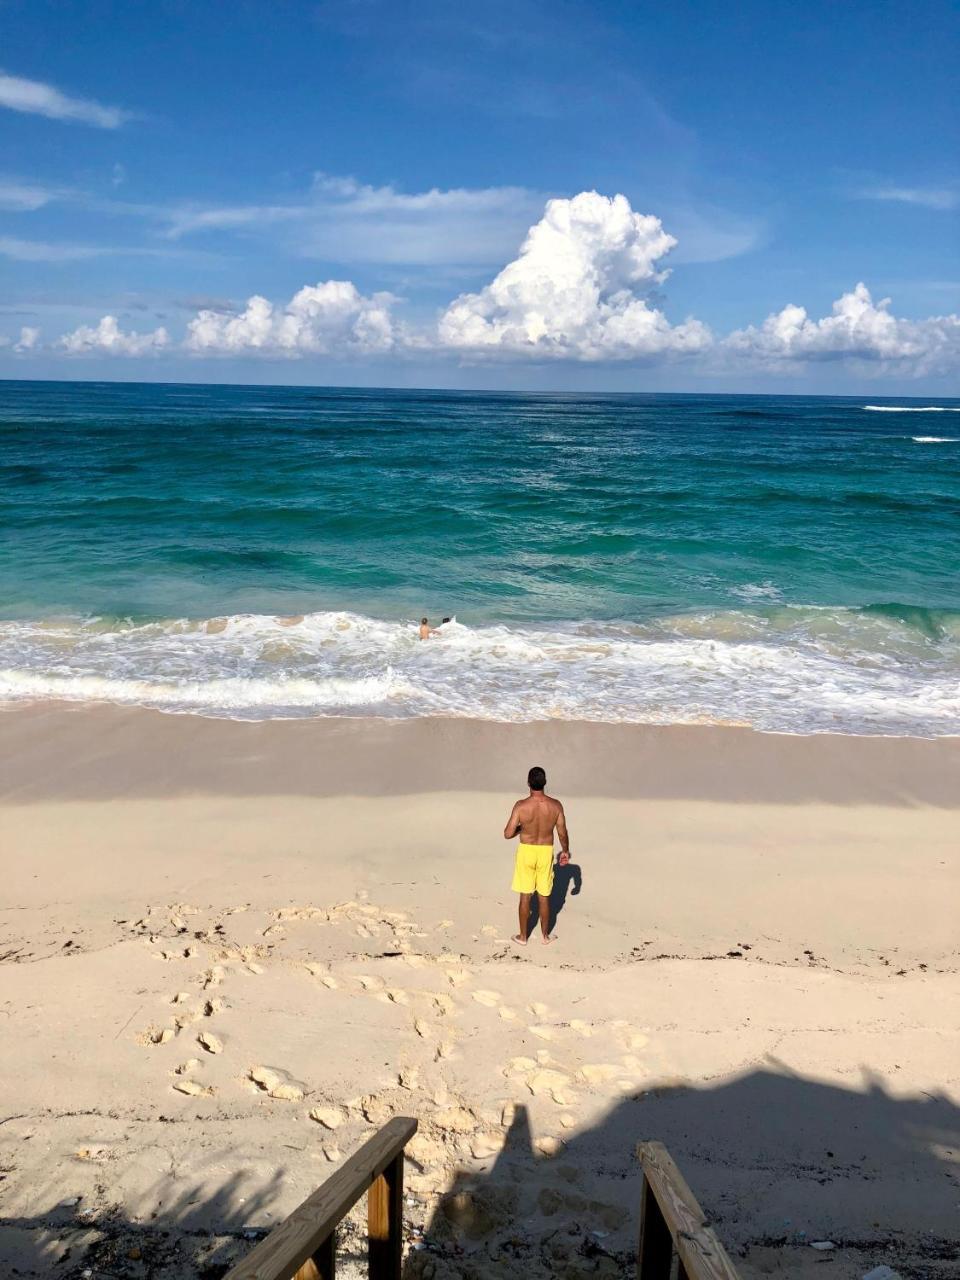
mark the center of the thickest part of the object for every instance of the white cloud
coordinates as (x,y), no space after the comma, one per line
(342,220)
(41,251)
(858,328)
(29,337)
(575,291)
(322,319)
(24,197)
(928,197)
(36,98)
(109,339)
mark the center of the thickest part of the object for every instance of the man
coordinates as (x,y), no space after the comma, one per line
(534,820)
(425,629)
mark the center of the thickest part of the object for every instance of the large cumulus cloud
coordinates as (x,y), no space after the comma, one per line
(576,291)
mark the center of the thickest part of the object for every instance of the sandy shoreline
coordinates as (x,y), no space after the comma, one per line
(337,892)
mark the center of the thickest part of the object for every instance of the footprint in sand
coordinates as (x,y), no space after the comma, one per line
(597,1073)
(490,930)
(370,982)
(519,1067)
(484,1145)
(191,1064)
(444,1005)
(397,996)
(213,977)
(539,1010)
(181,997)
(549,1146)
(488,998)
(552,1084)
(277,1084)
(376,1109)
(329,1117)
(251,966)
(457,977)
(156,1035)
(409,1078)
(210,1042)
(193,1090)
(567,1121)
(582,1028)
(542,1032)
(508,1015)
(456,1119)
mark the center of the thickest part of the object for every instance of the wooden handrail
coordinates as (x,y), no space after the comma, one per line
(672,1221)
(303,1246)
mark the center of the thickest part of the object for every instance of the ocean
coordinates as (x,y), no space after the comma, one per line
(789,563)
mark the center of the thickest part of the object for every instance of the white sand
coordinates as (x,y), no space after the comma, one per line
(330,900)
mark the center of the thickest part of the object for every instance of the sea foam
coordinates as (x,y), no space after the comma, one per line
(889,670)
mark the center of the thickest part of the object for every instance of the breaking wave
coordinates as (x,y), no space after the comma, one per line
(884,669)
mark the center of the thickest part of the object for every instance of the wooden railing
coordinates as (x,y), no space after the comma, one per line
(303,1246)
(671,1222)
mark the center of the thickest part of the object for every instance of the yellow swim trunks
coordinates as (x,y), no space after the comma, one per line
(533,872)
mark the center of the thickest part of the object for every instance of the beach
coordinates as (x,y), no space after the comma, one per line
(305,925)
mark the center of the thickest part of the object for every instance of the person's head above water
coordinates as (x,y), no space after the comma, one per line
(424,622)
(536,778)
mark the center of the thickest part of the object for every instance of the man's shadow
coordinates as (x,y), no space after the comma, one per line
(567,881)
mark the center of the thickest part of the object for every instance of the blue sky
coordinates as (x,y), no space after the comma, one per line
(164,163)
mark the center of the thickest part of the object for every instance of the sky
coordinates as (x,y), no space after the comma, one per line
(528,195)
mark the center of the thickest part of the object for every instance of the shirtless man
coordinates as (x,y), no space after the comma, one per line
(534,820)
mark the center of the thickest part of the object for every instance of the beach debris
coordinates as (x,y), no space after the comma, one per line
(210,1042)
(823,1246)
(329,1117)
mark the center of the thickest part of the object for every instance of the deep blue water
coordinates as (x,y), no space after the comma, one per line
(789,562)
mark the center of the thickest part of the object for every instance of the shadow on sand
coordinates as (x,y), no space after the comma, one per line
(776,1160)
(567,882)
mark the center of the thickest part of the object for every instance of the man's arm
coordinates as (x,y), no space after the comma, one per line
(513,823)
(563,834)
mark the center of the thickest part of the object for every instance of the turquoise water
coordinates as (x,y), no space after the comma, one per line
(787,562)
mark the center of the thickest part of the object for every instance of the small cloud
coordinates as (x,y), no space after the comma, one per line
(942,198)
(119,175)
(41,251)
(29,338)
(25,197)
(107,338)
(36,98)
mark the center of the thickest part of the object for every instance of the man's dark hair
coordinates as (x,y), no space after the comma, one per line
(536,778)
(423,622)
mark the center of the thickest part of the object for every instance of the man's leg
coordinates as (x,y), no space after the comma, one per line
(544,904)
(521,937)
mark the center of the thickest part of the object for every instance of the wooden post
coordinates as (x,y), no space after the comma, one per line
(655,1252)
(385,1222)
(323,1264)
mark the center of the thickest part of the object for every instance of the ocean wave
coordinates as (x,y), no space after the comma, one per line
(911,408)
(935,439)
(889,668)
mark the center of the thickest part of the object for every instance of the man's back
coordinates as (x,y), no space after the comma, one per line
(537,816)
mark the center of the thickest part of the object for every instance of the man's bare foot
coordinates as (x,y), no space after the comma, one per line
(521,942)
(546,941)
